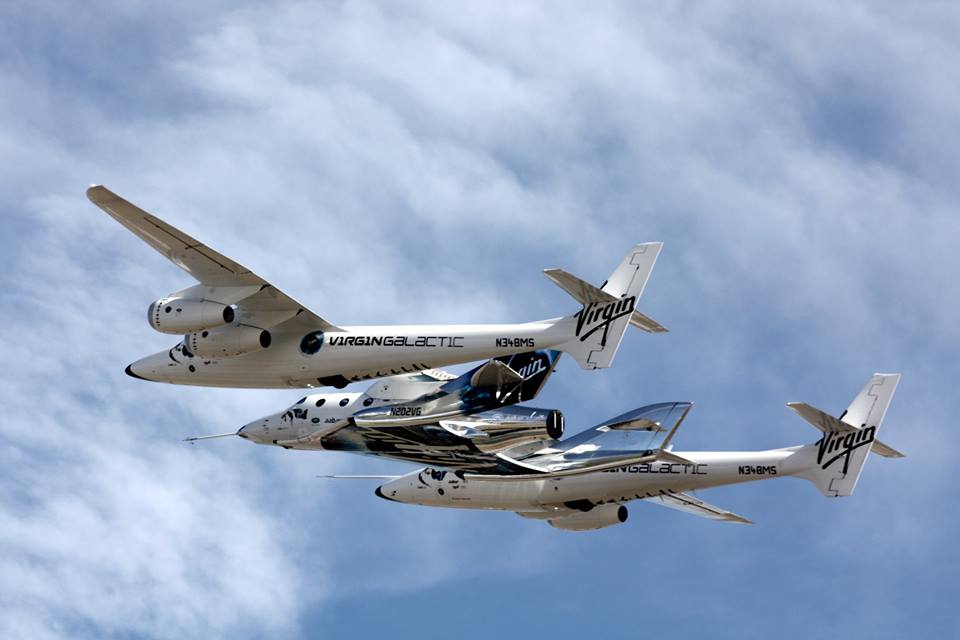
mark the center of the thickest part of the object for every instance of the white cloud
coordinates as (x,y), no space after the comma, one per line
(401,164)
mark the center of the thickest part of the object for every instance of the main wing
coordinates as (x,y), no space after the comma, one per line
(211,269)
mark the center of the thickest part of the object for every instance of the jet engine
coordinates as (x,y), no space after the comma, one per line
(227,341)
(604,515)
(182,315)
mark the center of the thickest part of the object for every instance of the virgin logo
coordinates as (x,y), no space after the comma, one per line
(833,446)
(595,316)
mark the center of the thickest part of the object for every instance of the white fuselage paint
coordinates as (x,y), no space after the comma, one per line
(634,482)
(356,353)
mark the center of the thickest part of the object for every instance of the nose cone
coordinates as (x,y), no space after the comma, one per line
(257,431)
(133,374)
(380,494)
(397,490)
(155,368)
(142,369)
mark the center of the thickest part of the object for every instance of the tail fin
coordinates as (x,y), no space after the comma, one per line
(534,367)
(838,457)
(599,326)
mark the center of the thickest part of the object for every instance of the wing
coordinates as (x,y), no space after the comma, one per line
(689,504)
(209,268)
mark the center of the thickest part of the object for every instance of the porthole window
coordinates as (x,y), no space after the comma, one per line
(315,420)
(311,343)
(321,402)
(344,402)
(368,402)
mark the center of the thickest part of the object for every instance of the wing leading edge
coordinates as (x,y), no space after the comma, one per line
(208,267)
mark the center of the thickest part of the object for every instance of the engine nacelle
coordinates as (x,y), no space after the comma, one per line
(182,315)
(227,341)
(555,424)
(604,515)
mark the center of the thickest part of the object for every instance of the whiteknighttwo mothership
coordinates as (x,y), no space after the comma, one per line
(240,331)
(585,481)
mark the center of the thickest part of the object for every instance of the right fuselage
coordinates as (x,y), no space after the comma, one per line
(634,482)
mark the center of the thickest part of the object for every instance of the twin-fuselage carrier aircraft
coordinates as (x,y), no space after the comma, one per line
(240,331)
(482,449)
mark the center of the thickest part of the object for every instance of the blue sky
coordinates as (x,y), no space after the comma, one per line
(422,163)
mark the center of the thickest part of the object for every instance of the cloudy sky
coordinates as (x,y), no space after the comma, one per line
(422,163)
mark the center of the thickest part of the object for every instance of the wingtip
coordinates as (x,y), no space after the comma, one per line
(96,193)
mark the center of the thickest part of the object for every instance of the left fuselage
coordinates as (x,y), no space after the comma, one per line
(314,359)
(440,488)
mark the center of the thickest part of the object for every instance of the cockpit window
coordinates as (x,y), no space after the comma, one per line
(300,401)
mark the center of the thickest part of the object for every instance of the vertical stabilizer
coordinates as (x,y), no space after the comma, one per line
(599,326)
(838,457)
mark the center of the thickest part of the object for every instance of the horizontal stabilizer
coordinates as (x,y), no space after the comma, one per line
(582,292)
(646,323)
(828,424)
(819,419)
(586,293)
(689,504)
(885,450)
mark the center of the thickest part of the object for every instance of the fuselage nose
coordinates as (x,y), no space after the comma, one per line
(258,431)
(406,488)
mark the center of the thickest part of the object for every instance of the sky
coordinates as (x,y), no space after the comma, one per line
(422,162)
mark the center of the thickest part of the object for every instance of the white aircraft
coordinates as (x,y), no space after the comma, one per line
(241,331)
(584,482)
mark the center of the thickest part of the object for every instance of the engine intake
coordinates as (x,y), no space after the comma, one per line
(182,315)
(227,341)
(604,515)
